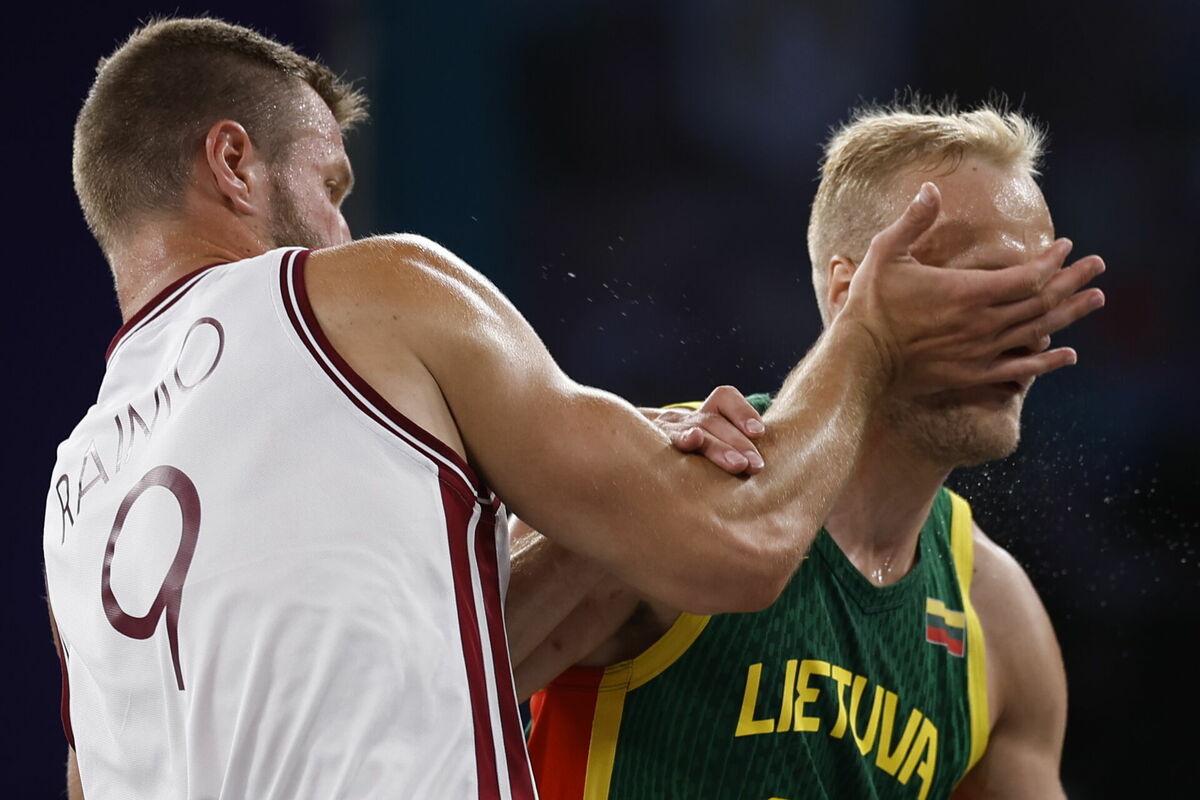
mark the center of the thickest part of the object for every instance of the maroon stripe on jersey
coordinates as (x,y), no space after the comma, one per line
(519,774)
(378,405)
(458,512)
(151,310)
(64,706)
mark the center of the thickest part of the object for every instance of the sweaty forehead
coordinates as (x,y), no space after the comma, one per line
(314,121)
(991,215)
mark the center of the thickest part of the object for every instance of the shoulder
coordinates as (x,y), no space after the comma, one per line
(995,568)
(403,281)
(1001,583)
(395,259)
(392,306)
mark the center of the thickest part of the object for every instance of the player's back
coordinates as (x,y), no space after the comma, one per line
(268,583)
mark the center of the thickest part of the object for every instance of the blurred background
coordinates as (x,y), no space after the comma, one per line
(636,176)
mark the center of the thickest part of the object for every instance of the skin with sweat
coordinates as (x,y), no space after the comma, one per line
(994,217)
(406,314)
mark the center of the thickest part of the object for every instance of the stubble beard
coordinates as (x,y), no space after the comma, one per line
(953,434)
(287,228)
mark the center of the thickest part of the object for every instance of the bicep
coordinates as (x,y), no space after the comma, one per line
(580,464)
(439,341)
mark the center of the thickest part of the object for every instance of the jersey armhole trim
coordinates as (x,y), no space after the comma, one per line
(606,729)
(615,685)
(654,660)
(355,387)
(962,547)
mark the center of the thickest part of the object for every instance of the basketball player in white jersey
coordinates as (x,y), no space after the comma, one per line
(274,550)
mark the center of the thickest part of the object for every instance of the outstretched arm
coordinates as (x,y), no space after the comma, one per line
(584,468)
(1026,681)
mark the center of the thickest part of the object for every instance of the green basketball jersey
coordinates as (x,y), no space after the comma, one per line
(841,689)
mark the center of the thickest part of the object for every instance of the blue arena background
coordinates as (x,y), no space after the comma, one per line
(636,175)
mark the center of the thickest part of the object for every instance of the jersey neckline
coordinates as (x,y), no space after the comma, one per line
(869,597)
(157,304)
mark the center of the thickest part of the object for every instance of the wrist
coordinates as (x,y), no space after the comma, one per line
(872,365)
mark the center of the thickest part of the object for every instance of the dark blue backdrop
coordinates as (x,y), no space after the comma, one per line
(636,175)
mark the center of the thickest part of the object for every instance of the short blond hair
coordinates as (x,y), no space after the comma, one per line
(855,199)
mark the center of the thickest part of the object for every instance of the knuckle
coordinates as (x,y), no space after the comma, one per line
(1047,302)
(1031,282)
(724,392)
(1039,329)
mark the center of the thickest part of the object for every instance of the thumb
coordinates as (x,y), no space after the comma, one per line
(896,239)
(689,441)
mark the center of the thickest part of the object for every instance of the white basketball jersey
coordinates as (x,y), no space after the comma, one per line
(268,582)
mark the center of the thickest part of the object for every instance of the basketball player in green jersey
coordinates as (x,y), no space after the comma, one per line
(910,655)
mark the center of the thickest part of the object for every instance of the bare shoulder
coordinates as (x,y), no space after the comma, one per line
(998,576)
(405,267)
(1019,635)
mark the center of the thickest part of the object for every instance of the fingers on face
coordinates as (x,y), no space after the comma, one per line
(1027,367)
(1062,302)
(1019,282)
(1036,333)
(1070,280)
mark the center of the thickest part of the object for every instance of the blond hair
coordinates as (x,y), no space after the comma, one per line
(855,198)
(155,97)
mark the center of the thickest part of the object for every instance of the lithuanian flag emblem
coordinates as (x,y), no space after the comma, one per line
(945,627)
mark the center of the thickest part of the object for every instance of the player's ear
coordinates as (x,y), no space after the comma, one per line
(234,169)
(840,271)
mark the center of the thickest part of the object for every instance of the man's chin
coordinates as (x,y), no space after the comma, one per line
(980,425)
(992,395)
(983,450)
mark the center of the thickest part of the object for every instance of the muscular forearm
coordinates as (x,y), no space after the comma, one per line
(688,534)
(815,427)
(691,536)
(585,469)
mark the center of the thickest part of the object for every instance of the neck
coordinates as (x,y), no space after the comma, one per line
(878,517)
(163,252)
